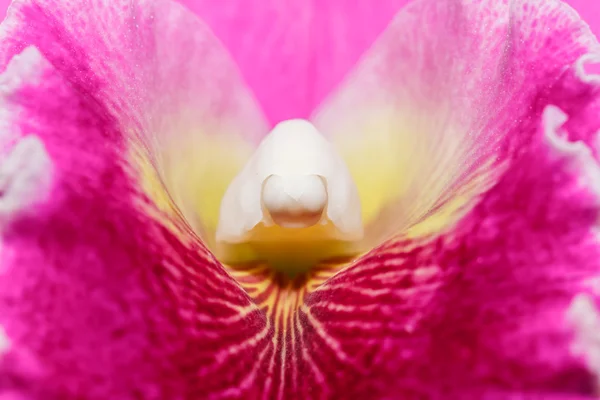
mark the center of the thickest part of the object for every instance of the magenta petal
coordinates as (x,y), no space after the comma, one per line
(437,105)
(102,296)
(477,311)
(293,53)
(153,64)
(105,296)
(162,74)
(480,310)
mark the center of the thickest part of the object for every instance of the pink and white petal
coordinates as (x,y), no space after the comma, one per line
(584,315)
(103,295)
(478,311)
(433,112)
(169,82)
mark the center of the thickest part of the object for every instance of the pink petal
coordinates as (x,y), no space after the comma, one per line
(135,59)
(167,80)
(429,117)
(304,49)
(293,53)
(585,318)
(479,310)
(103,295)
(140,309)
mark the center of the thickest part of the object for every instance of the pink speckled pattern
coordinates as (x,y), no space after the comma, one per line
(103,297)
(110,302)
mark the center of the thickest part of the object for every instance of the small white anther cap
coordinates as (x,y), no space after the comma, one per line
(295,201)
(295,179)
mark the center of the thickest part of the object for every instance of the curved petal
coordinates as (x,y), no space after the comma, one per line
(170,83)
(480,310)
(429,117)
(102,294)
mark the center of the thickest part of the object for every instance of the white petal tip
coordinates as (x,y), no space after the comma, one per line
(578,152)
(587,68)
(585,319)
(4,342)
(23,67)
(25,177)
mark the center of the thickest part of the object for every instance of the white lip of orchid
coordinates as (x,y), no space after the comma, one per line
(294,191)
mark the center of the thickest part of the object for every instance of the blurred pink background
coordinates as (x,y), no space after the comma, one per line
(589,9)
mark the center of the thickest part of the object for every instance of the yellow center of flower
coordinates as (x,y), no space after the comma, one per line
(300,199)
(292,205)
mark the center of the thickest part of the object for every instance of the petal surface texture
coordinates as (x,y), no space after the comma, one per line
(108,292)
(105,292)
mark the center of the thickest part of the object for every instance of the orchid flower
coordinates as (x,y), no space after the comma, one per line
(299,200)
